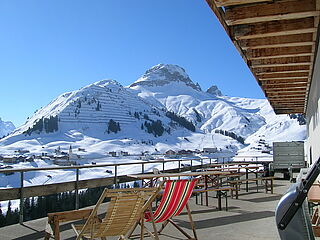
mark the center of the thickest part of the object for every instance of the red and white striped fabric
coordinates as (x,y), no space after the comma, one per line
(175,197)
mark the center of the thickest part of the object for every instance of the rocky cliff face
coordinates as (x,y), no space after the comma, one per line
(163,74)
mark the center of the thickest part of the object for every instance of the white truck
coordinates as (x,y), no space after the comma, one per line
(288,158)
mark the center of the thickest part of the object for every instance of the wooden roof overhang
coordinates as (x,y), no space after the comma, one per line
(278,40)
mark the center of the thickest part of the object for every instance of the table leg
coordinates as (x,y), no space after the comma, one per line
(206,187)
(247,183)
(219,200)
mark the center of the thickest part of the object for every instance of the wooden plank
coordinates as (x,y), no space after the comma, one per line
(284,78)
(285,90)
(289,111)
(278,41)
(283,56)
(281,61)
(284,75)
(279,65)
(42,190)
(287,94)
(281,69)
(274,28)
(280,98)
(287,105)
(226,3)
(283,86)
(278,52)
(288,89)
(282,72)
(281,10)
(286,81)
(293,104)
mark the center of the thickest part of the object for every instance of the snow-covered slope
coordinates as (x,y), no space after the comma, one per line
(141,113)
(211,111)
(6,127)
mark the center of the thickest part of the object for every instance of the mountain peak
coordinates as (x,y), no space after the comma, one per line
(214,90)
(162,74)
(6,127)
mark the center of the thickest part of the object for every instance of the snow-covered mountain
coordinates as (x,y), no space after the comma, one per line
(164,109)
(210,111)
(6,127)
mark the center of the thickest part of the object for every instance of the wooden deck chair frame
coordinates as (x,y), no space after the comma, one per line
(175,199)
(125,208)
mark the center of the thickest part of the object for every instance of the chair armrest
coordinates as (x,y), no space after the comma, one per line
(69,215)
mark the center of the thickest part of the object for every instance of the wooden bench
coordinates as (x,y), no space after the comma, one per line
(268,182)
(221,192)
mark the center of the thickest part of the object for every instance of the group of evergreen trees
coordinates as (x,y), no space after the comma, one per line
(301,118)
(113,126)
(39,207)
(181,120)
(44,124)
(154,127)
(230,134)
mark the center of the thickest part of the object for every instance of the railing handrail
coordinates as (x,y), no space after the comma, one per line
(97,165)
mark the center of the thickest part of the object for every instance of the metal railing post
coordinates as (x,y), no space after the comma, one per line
(21,199)
(163,165)
(115,175)
(142,167)
(77,188)
(191,165)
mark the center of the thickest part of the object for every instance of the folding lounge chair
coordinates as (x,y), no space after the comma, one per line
(175,197)
(125,208)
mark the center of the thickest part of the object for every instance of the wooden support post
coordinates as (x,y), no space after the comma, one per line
(142,168)
(21,199)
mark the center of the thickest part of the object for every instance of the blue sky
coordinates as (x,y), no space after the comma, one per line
(55,46)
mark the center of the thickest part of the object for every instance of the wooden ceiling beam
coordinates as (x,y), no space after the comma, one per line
(283,75)
(279,52)
(226,3)
(300,103)
(288,103)
(285,91)
(281,69)
(278,41)
(282,56)
(291,81)
(289,111)
(274,28)
(285,79)
(283,86)
(284,99)
(259,74)
(281,64)
(303,60)
(276,11)
(297,94)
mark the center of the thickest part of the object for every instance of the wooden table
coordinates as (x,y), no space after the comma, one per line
(206,174)
(248,169)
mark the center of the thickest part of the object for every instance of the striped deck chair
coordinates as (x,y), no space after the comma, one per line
(125,209)
(175,197)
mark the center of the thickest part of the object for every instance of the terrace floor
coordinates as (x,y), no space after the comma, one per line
(249,217)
